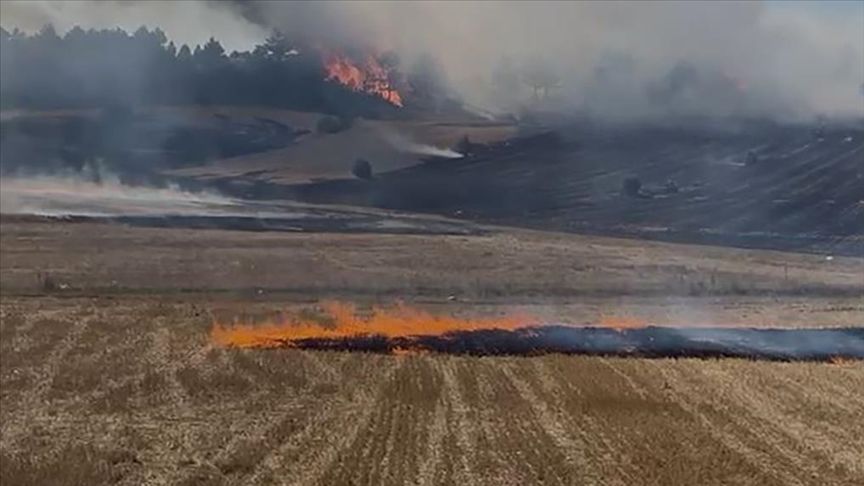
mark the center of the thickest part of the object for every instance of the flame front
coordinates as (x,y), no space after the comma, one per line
(622,323)
(341,321)
(368,76)
(402,330)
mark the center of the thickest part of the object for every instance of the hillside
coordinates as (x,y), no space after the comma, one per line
(753,184)
(770,186)
(194,144)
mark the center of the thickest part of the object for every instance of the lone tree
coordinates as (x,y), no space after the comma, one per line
(541,79)
(464,145)
(631,186)
(333,124)
(362,169)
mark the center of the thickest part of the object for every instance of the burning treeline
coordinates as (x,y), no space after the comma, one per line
(402,329)
(366,72)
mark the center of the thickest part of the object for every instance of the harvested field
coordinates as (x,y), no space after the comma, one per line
(511,266)
(109,374)
(98,391)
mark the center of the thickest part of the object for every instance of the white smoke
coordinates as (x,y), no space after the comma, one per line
(795,58)
(405,144)
(68,196)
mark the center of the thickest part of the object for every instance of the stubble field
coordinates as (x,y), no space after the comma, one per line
(108,376)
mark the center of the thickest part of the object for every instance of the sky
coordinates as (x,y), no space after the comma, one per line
(30,15)
(809,51)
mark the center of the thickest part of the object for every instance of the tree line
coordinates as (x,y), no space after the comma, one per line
(104,68)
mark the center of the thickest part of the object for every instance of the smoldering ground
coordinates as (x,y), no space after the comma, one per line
(338,326)
(75,195)
(649,342)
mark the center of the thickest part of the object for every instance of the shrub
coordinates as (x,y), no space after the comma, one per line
(464,145)
(631,186)
(46,282)
(671,187)
(362,169)
(117,114)
(332,124)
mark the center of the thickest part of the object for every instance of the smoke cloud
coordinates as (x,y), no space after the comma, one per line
(621,60)
(76,196)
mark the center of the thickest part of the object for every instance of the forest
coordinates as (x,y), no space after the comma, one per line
(106,68)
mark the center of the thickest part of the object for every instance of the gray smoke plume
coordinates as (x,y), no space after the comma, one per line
(609,57)
(621,60)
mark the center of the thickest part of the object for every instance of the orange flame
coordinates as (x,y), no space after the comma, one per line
(368,76)
(341,321)
(622,323)
(740,86)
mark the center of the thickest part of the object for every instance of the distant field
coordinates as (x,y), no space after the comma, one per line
(330,156)
(108,375)
(510,264)
(314,156)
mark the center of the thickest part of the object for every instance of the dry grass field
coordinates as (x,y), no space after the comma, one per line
(108,376)
(330,156)
(313,156)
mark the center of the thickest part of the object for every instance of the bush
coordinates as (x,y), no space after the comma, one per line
(117,114)
(46,282)
(332,124)
(362,169)
(671,187)
(631,186)
(464,145)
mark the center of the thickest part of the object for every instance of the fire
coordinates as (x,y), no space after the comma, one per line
(401,330)
(367,75)
(341,321)
(622,323)
(739,85)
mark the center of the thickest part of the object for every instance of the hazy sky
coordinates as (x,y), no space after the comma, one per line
(185,23)
(811,52)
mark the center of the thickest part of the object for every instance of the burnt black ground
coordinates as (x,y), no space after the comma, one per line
(799,191)
(652,342)
(354,224)
(803,193)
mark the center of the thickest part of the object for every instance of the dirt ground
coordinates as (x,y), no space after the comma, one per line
(108,376)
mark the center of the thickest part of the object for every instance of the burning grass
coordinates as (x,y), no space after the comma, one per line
(338,321)
(164,407)
(404,330)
